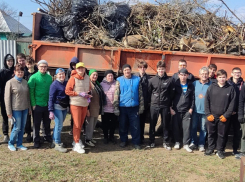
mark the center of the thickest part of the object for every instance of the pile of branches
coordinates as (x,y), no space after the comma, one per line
(174,27)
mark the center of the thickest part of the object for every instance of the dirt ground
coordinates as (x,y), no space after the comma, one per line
(112,163)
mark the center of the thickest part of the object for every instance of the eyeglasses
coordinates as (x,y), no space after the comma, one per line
(142,67)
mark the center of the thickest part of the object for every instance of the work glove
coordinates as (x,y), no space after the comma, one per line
(51,115)
(12,120)
(241,120)
(222,119)
(116,112)
(210,118)
(85,95)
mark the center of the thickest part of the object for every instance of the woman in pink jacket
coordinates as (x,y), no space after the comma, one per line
(109,119)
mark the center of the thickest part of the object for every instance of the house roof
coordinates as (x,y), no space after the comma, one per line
(8,24)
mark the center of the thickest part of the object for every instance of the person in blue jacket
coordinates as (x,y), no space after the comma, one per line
(198,116)
(57,106)
(128,105)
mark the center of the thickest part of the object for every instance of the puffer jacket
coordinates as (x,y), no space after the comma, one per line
(109,90)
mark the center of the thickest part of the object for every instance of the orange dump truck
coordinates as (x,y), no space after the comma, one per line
(60,54)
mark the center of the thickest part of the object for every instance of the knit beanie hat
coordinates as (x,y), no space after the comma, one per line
(126,66)
(42,62)
(59,70)
(108,72)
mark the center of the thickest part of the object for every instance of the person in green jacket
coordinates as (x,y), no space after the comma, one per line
(39,85)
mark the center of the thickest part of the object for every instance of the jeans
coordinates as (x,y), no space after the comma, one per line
(165,122)
(129,117)
(182,127)
(243,138)
(198,120)
(19,127)
(60,116)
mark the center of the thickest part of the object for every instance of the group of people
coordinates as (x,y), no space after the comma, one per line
(212,102)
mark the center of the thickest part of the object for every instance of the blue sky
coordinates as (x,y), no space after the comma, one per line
(28,7)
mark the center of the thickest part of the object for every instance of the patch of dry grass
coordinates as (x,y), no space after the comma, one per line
(111,163)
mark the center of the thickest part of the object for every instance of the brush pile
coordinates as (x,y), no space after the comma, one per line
(172,27)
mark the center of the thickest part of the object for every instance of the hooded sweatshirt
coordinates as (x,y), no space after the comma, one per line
(238,87)
(75,85)
(220,100)
(5,75)
(68,73)
(109,90)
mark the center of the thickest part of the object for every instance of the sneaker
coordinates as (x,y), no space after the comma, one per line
(77,148)
(93,141)
(209,152)
(137,147)
(177,146)
(192,146)
(89,143)
(152,145)
(71,133)
(11,147)
(60,148)
(220,154)
(80,142)
(29,138)
(166,146)
(21,147)
(186,147)
(123,144)
(201,148)
(36,145)
(5,139)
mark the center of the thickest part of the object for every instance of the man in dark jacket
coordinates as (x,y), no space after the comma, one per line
(161,91)
(73,63)
(183,105)
(5,75)
(236,81)
(144,80)
(219,105)
(182,64)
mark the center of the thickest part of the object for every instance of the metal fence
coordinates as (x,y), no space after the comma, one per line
(7,47)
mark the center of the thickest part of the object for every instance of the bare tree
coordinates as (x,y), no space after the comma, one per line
(5,8)
(54,7)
